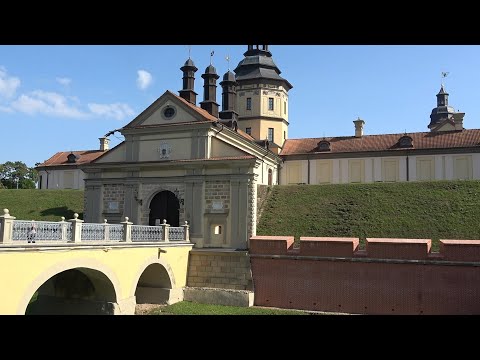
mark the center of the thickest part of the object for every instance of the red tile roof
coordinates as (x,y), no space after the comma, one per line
(201,111)
(83,157)
(385,142)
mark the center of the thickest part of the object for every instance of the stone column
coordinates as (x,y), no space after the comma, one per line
(127,230)
(63,224)
(165,228)
(186,232)
(6,227)
(76,228)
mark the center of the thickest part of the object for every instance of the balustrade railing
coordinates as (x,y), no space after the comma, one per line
(75,230)
(146,233)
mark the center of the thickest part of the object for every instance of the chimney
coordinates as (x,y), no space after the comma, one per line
(104,141)
(359,127)
(209,102)
(458,120)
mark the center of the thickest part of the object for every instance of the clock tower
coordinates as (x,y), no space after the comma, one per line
(262,97)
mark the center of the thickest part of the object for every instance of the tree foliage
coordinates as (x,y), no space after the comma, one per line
(17,173)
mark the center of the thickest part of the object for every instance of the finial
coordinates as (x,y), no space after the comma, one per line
(228,61)
(126,218)
(189,50)
(63,218)
(164,221)
(75,216)
(105,221)
(186,222)
(211,56)
(6,211)
(444,75)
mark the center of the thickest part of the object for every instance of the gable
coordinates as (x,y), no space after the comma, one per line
(222,149)
(117,154)
(170,109)
(445,126)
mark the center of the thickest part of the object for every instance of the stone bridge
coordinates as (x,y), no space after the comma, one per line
(78,268)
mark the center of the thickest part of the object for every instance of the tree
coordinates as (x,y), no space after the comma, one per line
(17,175)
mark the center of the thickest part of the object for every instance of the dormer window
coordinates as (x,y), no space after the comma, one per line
(324,145)
(405,142)
(71,158)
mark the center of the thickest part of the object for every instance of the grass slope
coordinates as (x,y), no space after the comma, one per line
(42,205)
(190,308)
(429,210)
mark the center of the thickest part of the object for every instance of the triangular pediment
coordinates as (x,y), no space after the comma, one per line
(446,125)
(170,109)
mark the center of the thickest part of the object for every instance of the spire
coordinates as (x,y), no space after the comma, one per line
(188,91)
(443,111)
(442,97)
(209,102)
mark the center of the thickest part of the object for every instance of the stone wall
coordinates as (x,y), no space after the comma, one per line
(392,276)
(217,193)
(113,193)
(148,191)
(225,269)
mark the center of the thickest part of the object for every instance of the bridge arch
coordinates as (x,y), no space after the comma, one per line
(97,281)
(153,282)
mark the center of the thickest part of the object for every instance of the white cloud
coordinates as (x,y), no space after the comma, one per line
(144,79)
(65,81)
(8,84)
(6,109)
(118,111)
(47,103)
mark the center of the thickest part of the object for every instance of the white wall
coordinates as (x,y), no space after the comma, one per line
(444,168)
(56,179)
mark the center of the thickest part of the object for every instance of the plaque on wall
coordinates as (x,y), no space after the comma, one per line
(113,206)
(164,150)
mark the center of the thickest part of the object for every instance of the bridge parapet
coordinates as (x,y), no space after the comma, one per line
(14,231)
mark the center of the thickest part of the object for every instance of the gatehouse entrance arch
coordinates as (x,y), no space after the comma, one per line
(165,205)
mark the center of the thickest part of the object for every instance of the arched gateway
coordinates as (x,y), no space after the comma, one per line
(164,205)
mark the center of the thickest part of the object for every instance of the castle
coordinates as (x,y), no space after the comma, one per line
(201,163)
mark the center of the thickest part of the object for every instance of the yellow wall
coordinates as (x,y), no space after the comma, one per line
(462,169)
(356,171)
(181,114)
(324,171)
(113,155)
(24,271)
(181,148)
(390,171)
(425,168)
(221,149)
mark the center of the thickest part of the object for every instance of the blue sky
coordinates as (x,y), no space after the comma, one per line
(61,98)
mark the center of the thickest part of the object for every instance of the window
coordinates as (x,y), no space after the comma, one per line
(169,112)
(284,135)
(218,230)
(248,131)
(270,104)
(270,135)
(285,107)
(249,103)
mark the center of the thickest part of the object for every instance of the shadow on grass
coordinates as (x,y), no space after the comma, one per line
(61,211)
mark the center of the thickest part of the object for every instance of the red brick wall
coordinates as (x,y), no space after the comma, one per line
(393,276)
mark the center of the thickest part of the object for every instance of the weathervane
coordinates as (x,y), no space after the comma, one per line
(228,61)
(211,56)
(444,75)
(189,50)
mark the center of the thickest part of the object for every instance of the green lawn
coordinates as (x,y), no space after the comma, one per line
(190,308)
(42,205)
(431,210)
